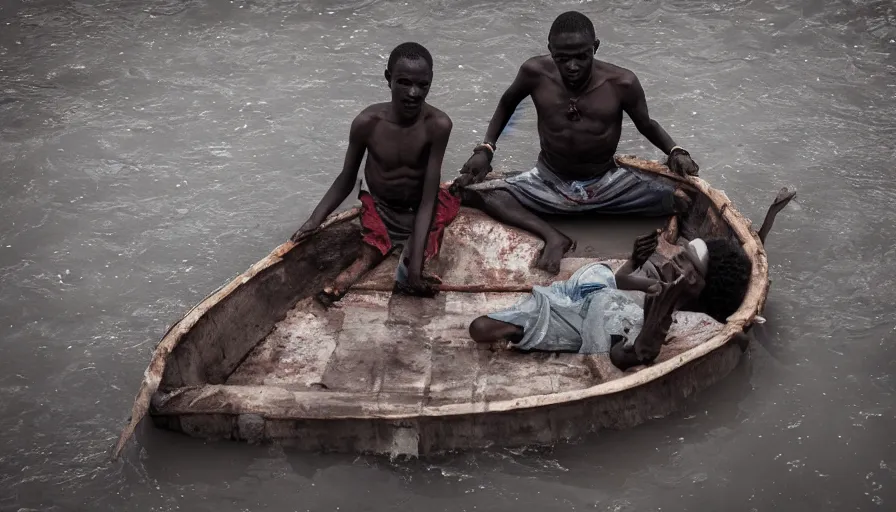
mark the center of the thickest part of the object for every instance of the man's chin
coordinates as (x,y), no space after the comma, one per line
(409,111)
(576,84)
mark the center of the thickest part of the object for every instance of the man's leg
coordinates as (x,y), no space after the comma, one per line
(368,258)
(657,320)
(489,330)
(785,195)
(502,206)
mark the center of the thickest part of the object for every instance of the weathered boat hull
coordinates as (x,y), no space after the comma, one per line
(538,425)
(217,373)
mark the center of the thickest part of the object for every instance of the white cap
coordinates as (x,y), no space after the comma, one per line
(699,254)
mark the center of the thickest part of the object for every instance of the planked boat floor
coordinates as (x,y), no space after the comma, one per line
(373,342)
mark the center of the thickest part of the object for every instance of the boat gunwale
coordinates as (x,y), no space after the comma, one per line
(752,305)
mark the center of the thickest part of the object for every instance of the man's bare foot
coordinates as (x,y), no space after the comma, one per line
(552,253)
(328,296)
(431,278)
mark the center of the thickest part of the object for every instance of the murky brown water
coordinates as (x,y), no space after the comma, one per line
(152,150)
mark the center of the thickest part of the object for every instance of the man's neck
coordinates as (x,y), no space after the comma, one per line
(582,88)
(394,118)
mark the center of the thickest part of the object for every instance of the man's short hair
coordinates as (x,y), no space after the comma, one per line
(411,51)
(727,278)
(572,22)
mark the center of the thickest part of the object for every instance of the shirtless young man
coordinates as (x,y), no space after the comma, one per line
(579,101)
(405,142)
(587,313)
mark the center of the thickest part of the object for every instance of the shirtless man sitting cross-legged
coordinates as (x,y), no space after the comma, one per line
(405,142)
(579,101)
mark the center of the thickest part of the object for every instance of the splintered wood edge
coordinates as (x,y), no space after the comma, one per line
(752,304)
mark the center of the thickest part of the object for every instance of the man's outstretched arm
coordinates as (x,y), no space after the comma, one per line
(479,165)
(441,133)
(522,86)
(345,182)
(635,105)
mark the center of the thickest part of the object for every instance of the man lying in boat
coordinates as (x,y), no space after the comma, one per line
(589,313)
(579,101)
(405,141)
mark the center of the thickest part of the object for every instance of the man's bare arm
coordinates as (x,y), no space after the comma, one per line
(637,283)
(523,85)
(479,165)
(441,132)
(635,105)
(345,182)
(643,247)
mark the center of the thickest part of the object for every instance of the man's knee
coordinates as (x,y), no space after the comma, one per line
(488,330)
(480,330)
(625,358)
(470,197)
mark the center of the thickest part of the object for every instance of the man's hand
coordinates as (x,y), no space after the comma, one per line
(303,231)
(475,170)
(644,246)
(419,285)
(681,163)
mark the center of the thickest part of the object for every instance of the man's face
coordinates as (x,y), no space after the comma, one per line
(684,265)
(673,261)
(409,82)
(573,54)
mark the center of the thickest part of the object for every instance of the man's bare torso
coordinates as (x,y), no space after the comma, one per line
(397,156)
(582,148)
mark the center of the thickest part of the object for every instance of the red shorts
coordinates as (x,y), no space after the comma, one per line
(389,228)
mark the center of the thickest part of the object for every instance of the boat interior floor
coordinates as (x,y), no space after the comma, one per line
(374,342)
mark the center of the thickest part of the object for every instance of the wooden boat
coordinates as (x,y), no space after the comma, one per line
(400,375)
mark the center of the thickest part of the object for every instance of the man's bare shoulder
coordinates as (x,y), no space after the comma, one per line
(538,66)
(617,74)
(437,121)
(370,116)
(366,121)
